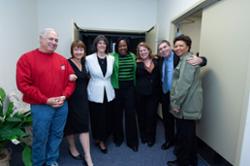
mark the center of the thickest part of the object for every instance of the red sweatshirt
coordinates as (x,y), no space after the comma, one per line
(40,76)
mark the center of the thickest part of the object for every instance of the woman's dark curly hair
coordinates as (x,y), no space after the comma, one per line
(184,38)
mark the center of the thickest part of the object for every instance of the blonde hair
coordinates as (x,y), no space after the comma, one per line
(143,44)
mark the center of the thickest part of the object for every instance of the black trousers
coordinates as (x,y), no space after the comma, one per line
(100,119)
(146,106)
(186,143)
(168,118)
(125,103)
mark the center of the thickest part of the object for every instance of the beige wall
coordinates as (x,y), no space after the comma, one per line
(151,37)
(225,42)
(167,10)
(192,27)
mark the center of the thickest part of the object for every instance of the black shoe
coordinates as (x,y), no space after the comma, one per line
(134,148)
(78,157)
(103,150)
(151,143)
(172,163)
(166,145)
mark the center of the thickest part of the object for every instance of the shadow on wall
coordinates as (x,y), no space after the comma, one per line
(212,99)
(211,90)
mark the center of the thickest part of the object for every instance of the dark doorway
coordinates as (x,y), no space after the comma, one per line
(88,36)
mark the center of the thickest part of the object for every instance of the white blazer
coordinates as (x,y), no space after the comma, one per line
(97,81)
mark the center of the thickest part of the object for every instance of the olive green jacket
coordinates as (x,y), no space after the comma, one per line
(186,92)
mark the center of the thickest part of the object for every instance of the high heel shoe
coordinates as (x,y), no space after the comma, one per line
(89,163)
(103,150)
(151,143)
(78,157)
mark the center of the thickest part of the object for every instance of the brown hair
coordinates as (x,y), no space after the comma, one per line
(79,44)
(99,38)
(164,41)
(161,42)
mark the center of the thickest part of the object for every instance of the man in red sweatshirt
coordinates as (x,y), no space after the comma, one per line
(42,75)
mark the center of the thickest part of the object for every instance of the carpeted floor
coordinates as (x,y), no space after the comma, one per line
(118,156)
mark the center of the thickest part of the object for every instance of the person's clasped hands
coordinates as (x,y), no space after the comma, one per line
(56,101)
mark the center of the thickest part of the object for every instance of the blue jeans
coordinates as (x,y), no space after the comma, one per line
(47,128)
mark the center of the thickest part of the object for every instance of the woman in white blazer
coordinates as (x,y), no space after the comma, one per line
(100,91)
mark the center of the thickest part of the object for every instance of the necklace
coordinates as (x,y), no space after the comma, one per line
(77,63)
(102,60)
(149,65)
(101,56)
